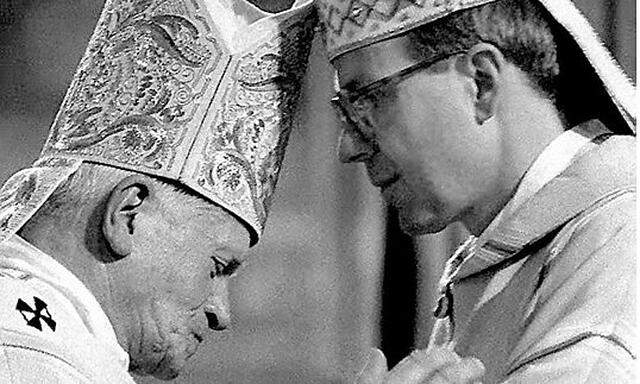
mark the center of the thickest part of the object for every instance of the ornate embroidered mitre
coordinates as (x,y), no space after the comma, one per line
(202,92)
(352,24)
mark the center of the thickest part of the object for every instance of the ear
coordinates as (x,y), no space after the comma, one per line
(484,63)
(131,196)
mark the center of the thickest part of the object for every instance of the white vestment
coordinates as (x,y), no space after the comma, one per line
(52,329)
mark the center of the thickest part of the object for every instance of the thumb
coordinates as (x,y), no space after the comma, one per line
(375,370)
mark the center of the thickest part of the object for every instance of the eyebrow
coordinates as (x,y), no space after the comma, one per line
(359,83)
(350,88)
(355,83)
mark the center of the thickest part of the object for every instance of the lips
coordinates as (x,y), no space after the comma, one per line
(193,347)
(384,183)
(196,331)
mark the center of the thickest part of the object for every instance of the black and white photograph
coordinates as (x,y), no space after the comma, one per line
(318,192)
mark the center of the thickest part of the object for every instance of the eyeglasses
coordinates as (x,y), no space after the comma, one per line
(353,108)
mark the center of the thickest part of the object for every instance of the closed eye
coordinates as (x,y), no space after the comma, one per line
(222,268)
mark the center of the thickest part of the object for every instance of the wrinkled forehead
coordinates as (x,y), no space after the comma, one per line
(362,66)
(223,228)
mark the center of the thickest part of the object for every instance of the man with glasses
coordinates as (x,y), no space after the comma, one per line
(510,117)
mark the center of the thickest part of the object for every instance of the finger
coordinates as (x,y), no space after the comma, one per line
(421,365)
(375,369)
(468,371)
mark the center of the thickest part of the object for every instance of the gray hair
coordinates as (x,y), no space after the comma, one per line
(93,182)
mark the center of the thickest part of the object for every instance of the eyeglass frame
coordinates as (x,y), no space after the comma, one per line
(343,101)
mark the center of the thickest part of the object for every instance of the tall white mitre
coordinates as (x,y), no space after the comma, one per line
(200,92)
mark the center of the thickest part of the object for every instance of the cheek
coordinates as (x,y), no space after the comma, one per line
(174,268)
(188,277)
(435,142)
(437,125)
(436,113)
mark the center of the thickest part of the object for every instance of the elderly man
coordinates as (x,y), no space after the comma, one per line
(116,245)
(510,117)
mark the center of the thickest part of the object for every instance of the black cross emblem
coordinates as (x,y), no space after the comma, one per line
(33,316)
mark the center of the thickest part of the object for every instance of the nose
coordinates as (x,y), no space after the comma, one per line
(353,148)
(217,307)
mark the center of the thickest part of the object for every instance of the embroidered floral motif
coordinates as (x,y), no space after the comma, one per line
(245,150)
(137,86)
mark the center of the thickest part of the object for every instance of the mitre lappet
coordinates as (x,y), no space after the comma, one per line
(597,85)
(200,92)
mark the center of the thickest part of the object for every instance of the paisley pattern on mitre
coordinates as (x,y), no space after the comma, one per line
(246,141)
(138,90)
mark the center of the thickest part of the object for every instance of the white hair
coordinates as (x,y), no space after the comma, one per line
(92,183)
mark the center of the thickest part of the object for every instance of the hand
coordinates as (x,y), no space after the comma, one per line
(433,366)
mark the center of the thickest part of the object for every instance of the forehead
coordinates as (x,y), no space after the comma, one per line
(221,228)
(358,68)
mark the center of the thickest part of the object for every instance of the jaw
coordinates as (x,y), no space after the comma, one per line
(421,216)
(476,221)
(421,223)
(168,367)
(163,360)
(419,213)
(165,343)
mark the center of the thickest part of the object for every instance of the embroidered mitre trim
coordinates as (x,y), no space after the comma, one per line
(351,24)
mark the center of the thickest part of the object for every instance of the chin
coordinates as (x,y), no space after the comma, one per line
(416,224)
(167,373)
(167,342)
(166,362)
